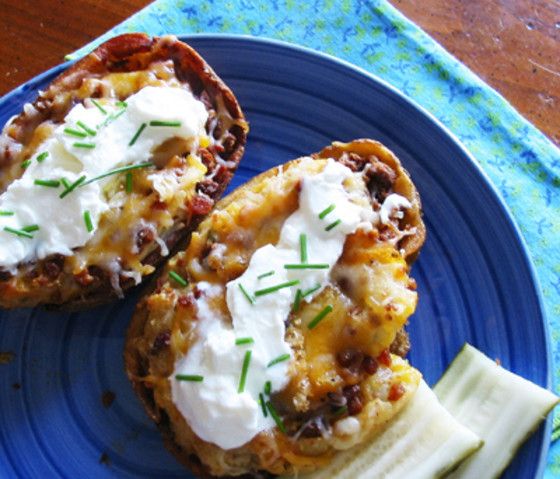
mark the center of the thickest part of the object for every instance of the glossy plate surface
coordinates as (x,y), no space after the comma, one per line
(474,278)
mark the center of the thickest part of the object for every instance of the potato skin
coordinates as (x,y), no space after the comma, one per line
(57,281)
(150,352)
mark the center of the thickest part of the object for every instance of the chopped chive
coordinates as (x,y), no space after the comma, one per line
(98,105)
(114,117)
(118,170)
(244,369)
(276,417)
(89,146)
(264,275)
(73,186)
(340,411)
(74,132)
(47,183)
(137,134)
(65,183)
(310,291)
(333,225)
(246,294)
(307,266)
(241,341)
(279,359)
(30,228)
(317,319)
(263,405)
(87,129)
(165,123)
(297,301)
(268,388)
(25,164)
(18,232)
(7,213)
(128,183)
(189,377)
(121,104)
(273,289)
(178,278)
(303,247)
(326,211)
(42,157)
(87,221)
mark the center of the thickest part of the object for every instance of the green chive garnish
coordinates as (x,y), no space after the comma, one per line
(18,232)
(273,289)
(307,266)
(47,183)
(25,164)
(87,129)
(178,278)
(264,275)
(326,211)
(89,146)
(279,359)
(98,105)
(263,405)
(7,213)
(128,183)
(244,369)
(137,134)
(30,228)
(297,301)
(276,417)
(189,377)
(88,222)
(65,183)
(73,186)
(42,157)
(267,388)
(121,104)
(241,341)
(303,247)
(246,294)
(76,133)
(310,291)
(333,225)
(317,319)
(165,123)
(340,411)
(118,170)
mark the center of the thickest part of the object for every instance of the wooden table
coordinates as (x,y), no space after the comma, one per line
(514,45)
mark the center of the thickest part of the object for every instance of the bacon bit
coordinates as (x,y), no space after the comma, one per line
(197,292)
(201,205)
(144,236)
(207,158)
(53,266)
(186,300)
(216,148)
(385,358)
(229,143)
(396,392)
(355,406)
(162,341)
(370,365)
(159,205)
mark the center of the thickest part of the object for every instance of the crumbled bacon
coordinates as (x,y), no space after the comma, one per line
(201,205)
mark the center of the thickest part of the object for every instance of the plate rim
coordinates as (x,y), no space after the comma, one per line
(422,111)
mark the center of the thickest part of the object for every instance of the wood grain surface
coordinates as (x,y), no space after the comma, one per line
(514,45)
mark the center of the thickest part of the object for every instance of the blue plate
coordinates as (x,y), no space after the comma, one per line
(474,277)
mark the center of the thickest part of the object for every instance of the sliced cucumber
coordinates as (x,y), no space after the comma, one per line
(499,406)
(422,441)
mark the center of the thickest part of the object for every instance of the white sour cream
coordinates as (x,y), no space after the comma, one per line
(214,409)
(61,221)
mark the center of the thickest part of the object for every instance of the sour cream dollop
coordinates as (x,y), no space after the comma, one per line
(72,152)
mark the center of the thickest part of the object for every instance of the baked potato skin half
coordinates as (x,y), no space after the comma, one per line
(164,324)
(121,248)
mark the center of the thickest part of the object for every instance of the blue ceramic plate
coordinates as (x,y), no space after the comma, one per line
(474,277)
